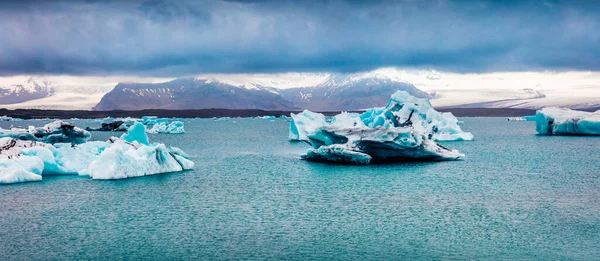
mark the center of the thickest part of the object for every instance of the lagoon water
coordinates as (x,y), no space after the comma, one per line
(515,196)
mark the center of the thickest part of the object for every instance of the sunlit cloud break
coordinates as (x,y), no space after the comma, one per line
(175,38)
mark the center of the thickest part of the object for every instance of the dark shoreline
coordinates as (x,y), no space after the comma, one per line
(209,113)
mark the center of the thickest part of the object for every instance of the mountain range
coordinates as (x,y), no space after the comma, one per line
(313,91)
(29,90)
(333,93)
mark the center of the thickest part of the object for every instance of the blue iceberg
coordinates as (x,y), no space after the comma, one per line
(560,121)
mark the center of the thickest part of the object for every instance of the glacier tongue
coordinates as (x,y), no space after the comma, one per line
(560,121)
(406,129)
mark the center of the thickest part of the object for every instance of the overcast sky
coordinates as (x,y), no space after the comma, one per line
(174,38)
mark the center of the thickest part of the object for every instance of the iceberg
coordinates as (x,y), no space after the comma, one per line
(560,121)
(364,145)
(153,125)
(403,110)
(114,125)
(54,132)
(7,118)
(175,127)
(132,155)
(404,130)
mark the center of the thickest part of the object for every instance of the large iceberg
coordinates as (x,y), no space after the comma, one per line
(54,132)
(132,155)
(560,121)
(403,110)
(364,145)
(406,129)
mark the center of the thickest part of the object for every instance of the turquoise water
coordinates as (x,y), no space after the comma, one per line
(516,196)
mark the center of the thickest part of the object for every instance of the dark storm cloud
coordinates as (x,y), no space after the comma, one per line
(172,38)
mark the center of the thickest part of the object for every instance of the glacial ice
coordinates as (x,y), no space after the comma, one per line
(136,133)
(560,121)
(154,125)
(364,145)
(130,156)
(126,160)
(406,129)
(54,132)
(7,118)
(403,110)
(175,127)
(305,122)
(15,168)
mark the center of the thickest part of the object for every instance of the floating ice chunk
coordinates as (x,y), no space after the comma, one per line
(529,118)
(559,121)
(137,132)
(364,145)
(266,117)
(114,125)
(125,160)
(516,119)
(54,132)
(7,118)
(305,122)
(175,127)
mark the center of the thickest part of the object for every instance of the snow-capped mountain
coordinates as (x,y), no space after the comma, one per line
(192,93)
(31,89)
(350,92)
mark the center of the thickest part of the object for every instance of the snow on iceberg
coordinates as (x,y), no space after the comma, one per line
(54,132)
(560,121)
(403,110)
